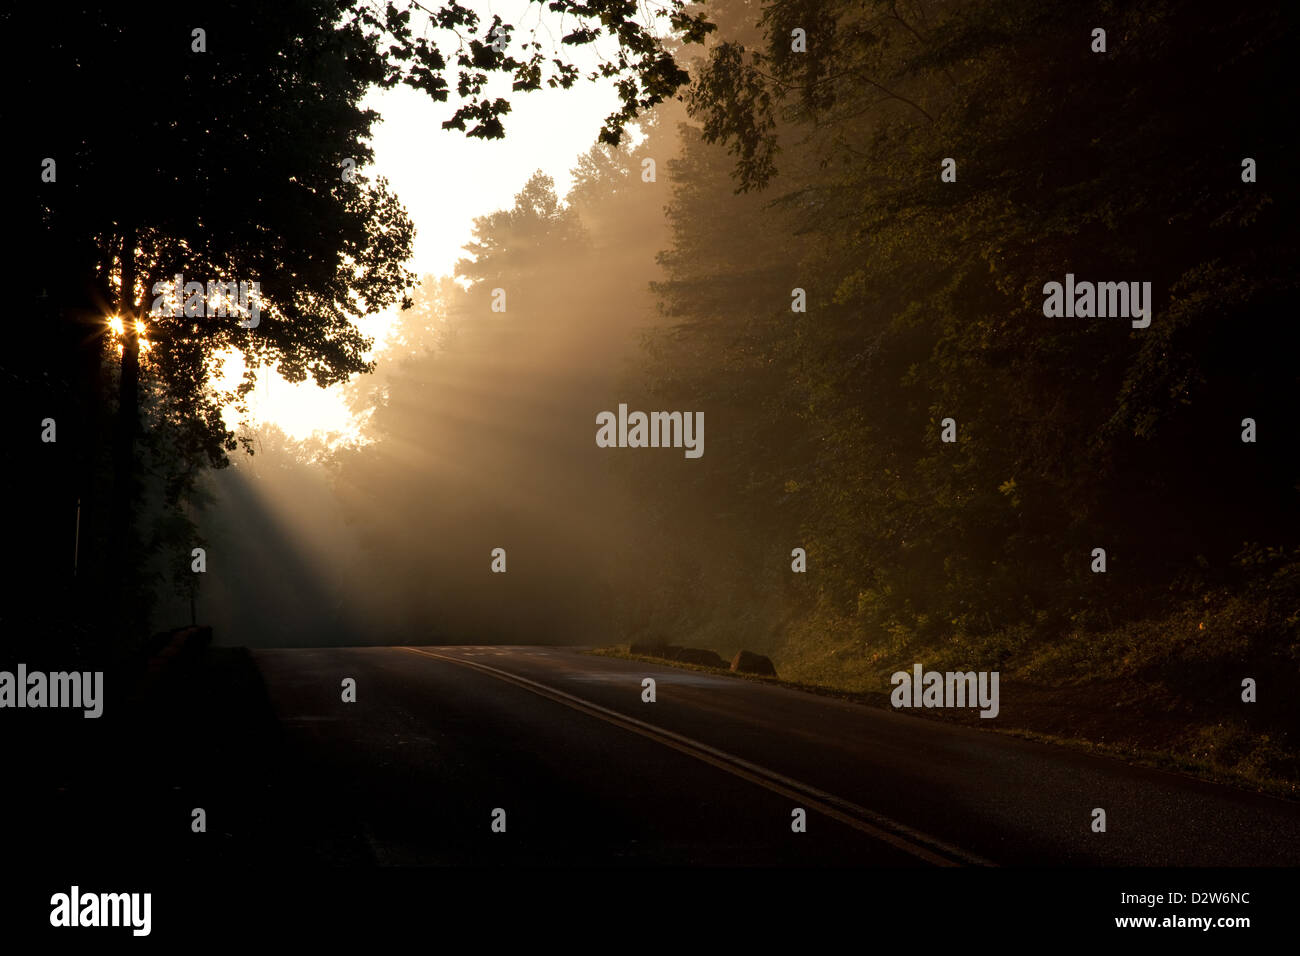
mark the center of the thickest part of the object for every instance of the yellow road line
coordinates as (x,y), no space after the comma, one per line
(888,831)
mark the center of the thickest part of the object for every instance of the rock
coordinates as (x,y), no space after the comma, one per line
(695,655)
(747,662)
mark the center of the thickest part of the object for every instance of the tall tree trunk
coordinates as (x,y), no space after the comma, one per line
(121,551)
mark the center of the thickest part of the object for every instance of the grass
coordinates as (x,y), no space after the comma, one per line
(1111,694)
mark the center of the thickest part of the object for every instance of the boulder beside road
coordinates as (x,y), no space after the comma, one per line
(747,662)
(671,652)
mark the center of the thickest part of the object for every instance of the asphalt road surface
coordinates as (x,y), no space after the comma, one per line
(586,772)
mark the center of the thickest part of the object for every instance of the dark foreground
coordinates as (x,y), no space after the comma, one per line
(587,773)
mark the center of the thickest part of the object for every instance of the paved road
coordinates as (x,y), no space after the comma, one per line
(586,772)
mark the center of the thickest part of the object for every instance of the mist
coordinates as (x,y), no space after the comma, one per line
(478,434)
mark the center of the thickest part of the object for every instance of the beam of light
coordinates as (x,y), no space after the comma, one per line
(115,324)
(283,583)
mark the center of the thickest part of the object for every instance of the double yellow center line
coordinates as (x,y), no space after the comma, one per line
(879,827)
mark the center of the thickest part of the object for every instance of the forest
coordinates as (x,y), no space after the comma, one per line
(835,242)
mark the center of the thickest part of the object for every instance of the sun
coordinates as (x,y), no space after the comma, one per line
(117,328)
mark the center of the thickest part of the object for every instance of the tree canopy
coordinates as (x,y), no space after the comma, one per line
(227,143)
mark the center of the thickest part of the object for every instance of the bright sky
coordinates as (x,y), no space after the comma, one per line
(444,180)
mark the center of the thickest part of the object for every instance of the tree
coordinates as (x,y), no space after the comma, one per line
(925,301)
(215,145)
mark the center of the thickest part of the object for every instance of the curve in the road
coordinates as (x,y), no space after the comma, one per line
(879,827)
